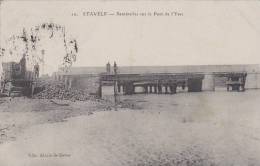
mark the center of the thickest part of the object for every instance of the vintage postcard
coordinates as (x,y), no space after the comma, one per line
(129,83)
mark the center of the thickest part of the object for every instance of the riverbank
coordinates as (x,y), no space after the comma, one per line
(209,129)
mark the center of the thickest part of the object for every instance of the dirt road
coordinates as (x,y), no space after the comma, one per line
(206,128)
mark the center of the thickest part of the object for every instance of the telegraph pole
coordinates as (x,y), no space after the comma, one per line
(115,84)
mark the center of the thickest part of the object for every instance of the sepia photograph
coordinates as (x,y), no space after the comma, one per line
(129,83)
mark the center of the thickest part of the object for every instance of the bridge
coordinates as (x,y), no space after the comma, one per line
(163,79)
(168,82)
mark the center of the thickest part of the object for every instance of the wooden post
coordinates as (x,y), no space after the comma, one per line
(160,88)
(70,82)
(118,88)
(155,88)
(124,87)
(150,88)
(115,85)
(66,82)
(100,88)
(32,92)
(166,89)
(145,89)
(173,88)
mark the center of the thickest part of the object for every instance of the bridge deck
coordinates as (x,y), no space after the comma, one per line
(150,77)
(165,77)
(156,81)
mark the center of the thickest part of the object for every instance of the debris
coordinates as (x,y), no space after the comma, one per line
(57,90)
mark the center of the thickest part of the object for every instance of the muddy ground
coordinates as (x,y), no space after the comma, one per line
(209,128)
(20,113)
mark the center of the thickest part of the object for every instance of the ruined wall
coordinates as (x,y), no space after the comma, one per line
(253,81)
(208,83)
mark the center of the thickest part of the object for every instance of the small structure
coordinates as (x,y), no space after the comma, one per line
(236,81)
(16,79)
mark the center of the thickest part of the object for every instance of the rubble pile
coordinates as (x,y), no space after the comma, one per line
(57,90)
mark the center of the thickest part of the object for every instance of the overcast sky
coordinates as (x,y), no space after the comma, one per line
(213,32)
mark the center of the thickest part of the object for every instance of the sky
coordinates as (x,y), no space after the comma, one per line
(212,32)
